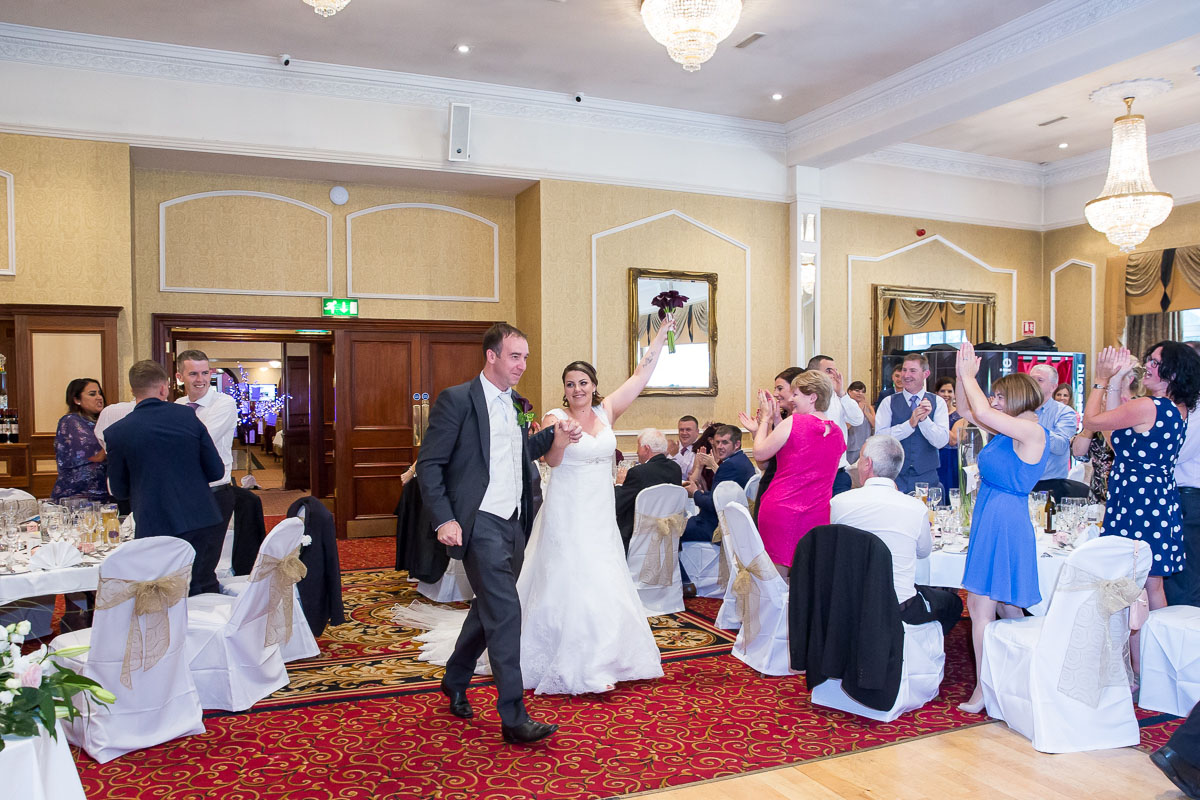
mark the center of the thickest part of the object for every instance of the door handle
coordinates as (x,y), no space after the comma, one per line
(417,430)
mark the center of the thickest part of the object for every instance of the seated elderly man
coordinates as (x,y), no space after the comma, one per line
(653,468)
(902,522)
(730,464)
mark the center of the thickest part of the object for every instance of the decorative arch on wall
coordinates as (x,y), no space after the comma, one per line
(937,237)
(162,245)
(745,248)
(1054,300)
(11,268)
(495,297)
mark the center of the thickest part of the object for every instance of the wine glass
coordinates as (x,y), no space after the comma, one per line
(935,496)
(956,499)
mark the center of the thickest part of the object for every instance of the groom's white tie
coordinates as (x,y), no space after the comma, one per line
(518,449)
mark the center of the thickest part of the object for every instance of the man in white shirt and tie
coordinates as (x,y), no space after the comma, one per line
(902,522)
(218,412)
(843,410)
(919,421)
(684,454)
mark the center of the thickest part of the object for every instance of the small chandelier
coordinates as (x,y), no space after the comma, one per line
(327,8)
(690,29)
(1129,205)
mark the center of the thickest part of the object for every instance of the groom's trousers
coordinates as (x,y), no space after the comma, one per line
(492,562)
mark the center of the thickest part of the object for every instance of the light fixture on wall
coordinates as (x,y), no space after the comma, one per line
(1129,205)
(327,8)
(690,29)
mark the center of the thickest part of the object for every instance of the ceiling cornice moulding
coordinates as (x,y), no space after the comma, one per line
(1159,146)
(953,162)
(54,48)
(1002,45)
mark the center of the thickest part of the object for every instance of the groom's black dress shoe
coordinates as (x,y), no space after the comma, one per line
(1182,773)
(527,732)
(459,705)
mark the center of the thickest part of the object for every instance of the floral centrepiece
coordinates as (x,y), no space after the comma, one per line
(35,689)
(667,302)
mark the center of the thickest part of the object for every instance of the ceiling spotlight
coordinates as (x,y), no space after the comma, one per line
(777,96)
(1063,145)
(463,48)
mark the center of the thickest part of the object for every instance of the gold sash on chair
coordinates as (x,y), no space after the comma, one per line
(719,537)
(1098,650)
(659,567)
(284,573)
(151,599)
(747,592)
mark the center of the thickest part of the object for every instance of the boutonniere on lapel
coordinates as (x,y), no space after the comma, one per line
(525,413)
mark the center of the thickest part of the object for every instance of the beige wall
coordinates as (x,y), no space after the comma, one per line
(72,237)
(264,244)
(933,264)
(529,286)
(1082,243)
(571,213)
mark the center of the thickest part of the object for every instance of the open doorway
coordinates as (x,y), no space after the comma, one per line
(282,381)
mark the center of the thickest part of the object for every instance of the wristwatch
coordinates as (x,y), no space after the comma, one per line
(1099,386)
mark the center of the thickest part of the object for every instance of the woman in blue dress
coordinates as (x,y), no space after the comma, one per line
(1001,571)
(82,469)
(1147,432)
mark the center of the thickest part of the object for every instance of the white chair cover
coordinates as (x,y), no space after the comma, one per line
(727,616)
(659,517)
(231,663)
(1061,680)
(39,768)
(160,703)
(752,488)
(302,645)
(1170,642)
(452,587)
(920,680)
(761,596)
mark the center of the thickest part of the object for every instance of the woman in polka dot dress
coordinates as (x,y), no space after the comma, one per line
(1143,502)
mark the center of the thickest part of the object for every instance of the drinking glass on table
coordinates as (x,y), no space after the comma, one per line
(111,523)
(935,496)
(955,499)
(922,491)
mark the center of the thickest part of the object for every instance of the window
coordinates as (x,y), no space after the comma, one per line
(1189,321)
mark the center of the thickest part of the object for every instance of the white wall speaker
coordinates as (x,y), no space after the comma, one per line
(460,132)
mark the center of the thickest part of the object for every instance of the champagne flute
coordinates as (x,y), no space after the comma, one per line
(956,499)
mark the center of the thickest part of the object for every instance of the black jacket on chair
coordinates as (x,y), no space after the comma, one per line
(417,549)
(249,530)
(321,589)
(843,619)
(656,471)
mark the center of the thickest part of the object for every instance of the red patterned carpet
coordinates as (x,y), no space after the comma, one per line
(365,720)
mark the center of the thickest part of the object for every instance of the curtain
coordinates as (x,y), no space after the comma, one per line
(691,324)
(1144,330)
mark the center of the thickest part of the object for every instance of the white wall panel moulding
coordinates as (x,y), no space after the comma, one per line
(201,65)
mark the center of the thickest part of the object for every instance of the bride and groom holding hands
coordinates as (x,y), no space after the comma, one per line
(570,622)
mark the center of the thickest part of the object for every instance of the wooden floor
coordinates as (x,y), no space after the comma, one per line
(987,761)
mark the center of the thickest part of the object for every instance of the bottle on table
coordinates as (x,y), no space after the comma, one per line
(1048,513)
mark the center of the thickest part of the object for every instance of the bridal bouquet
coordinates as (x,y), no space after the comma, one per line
(666,302)
(35,689)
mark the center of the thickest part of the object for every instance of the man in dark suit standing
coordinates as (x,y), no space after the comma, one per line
(475,464)
(653,468)
(730,464)
(161,457)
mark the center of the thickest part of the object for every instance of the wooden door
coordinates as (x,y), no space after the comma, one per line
(297,460)
(322,447)
(449,359)
(377,374)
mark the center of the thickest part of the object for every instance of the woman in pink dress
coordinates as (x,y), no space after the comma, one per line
(806,447)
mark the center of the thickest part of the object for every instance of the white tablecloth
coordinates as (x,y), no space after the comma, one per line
(55,581)
(946,569)
(39,768)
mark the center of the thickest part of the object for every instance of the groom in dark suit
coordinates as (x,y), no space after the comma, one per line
(475,467)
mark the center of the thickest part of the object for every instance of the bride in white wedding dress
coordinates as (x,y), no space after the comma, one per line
(583,628)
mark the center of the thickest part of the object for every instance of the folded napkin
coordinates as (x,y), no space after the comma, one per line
(127,527)
(55,555)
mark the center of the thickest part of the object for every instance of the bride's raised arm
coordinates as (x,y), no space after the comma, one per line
(616,403)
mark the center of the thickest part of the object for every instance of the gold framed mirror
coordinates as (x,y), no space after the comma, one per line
(913,319)
(692,368)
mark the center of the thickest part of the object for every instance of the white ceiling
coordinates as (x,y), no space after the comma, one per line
(826,58)
(1011,130)
(814,52)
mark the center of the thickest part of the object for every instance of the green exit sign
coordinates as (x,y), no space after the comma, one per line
(339,307)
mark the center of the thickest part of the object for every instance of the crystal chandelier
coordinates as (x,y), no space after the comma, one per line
(1129,205)
(327,8)
(690,29)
